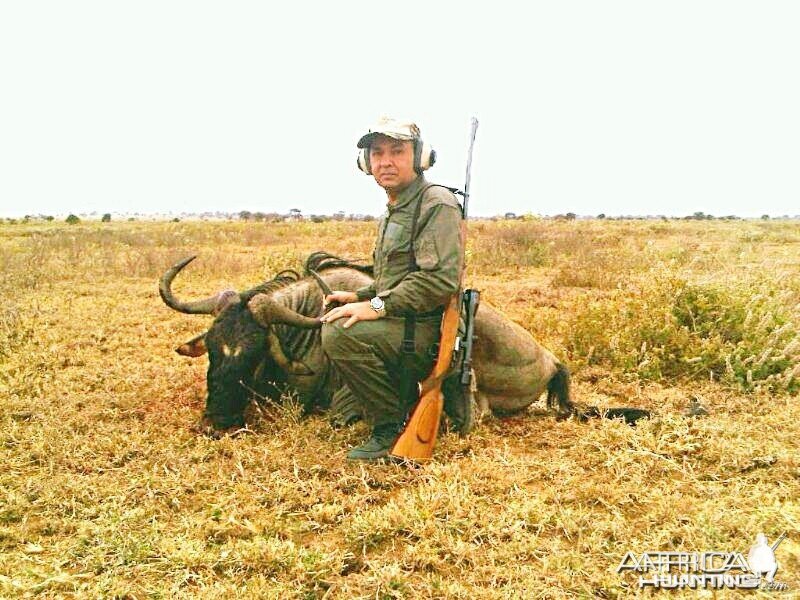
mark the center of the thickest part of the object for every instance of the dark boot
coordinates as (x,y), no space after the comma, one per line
(377,446)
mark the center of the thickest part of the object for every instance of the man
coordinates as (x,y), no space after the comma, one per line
(363,337)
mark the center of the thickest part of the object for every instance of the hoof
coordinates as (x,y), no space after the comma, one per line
(342,421)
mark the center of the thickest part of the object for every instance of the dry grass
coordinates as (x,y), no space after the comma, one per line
(104,491)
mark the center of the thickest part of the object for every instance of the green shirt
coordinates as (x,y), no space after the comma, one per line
(437,251)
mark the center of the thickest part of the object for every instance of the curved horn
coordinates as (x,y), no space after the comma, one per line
(267,312)
(326,290)
(207,306)
(295,367)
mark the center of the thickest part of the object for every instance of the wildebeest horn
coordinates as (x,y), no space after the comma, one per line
(267,312)
(208,306)
(295,367)
(326,290)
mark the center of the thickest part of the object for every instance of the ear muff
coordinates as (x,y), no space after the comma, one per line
(363,161)
(424,156)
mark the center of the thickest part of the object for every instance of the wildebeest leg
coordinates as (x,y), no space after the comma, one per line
(504,406)
(345,409)
(508,402)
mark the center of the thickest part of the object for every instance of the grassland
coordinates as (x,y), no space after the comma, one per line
(105,491)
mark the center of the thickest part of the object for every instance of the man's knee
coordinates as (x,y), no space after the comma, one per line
(338,342)
(331,337)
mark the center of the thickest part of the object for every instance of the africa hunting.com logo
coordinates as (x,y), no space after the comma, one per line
(708,570)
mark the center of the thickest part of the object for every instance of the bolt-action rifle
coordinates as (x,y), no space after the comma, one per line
(418,437)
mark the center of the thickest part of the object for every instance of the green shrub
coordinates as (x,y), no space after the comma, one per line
(72,219)
(745,333)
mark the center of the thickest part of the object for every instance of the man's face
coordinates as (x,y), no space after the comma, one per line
(392,163)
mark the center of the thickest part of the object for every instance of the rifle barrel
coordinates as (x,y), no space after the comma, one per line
(473,131)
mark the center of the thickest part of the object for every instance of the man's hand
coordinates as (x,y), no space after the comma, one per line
(357,311)
(340,297)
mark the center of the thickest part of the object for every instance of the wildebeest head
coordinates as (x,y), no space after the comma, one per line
(241,346)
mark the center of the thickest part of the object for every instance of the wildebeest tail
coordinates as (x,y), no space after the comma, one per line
(558,397)
(319,261)
(558,392)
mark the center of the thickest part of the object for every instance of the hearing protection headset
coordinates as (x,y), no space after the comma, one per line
(424,158)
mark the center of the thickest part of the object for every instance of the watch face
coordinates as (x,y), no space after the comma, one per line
(376,303)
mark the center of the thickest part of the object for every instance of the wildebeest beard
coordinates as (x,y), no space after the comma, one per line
(236,346)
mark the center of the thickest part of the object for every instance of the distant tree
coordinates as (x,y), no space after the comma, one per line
(510,215)
(245,215)
(318,218)
(765,217)
(131,219)
(601,216)
(49,218)
(570,216)
(72,219)
(176,220)
(106,218)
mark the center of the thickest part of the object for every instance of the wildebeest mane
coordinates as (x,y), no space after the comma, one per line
(316,261)
(281,280)
(319,261)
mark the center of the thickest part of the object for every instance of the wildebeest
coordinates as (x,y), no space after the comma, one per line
(270,335)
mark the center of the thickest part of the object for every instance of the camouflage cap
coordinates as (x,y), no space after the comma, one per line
(392,128)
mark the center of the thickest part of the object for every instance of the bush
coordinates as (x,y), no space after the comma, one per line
(512,242)
(746,333)
(72,219)
(106,218)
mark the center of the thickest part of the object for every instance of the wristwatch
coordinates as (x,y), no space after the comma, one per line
(377,305)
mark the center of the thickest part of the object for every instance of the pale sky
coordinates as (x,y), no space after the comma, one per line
(616,107)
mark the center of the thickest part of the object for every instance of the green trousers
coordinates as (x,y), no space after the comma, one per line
(368,358)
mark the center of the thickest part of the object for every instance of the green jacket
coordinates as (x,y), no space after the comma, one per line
(437,249)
